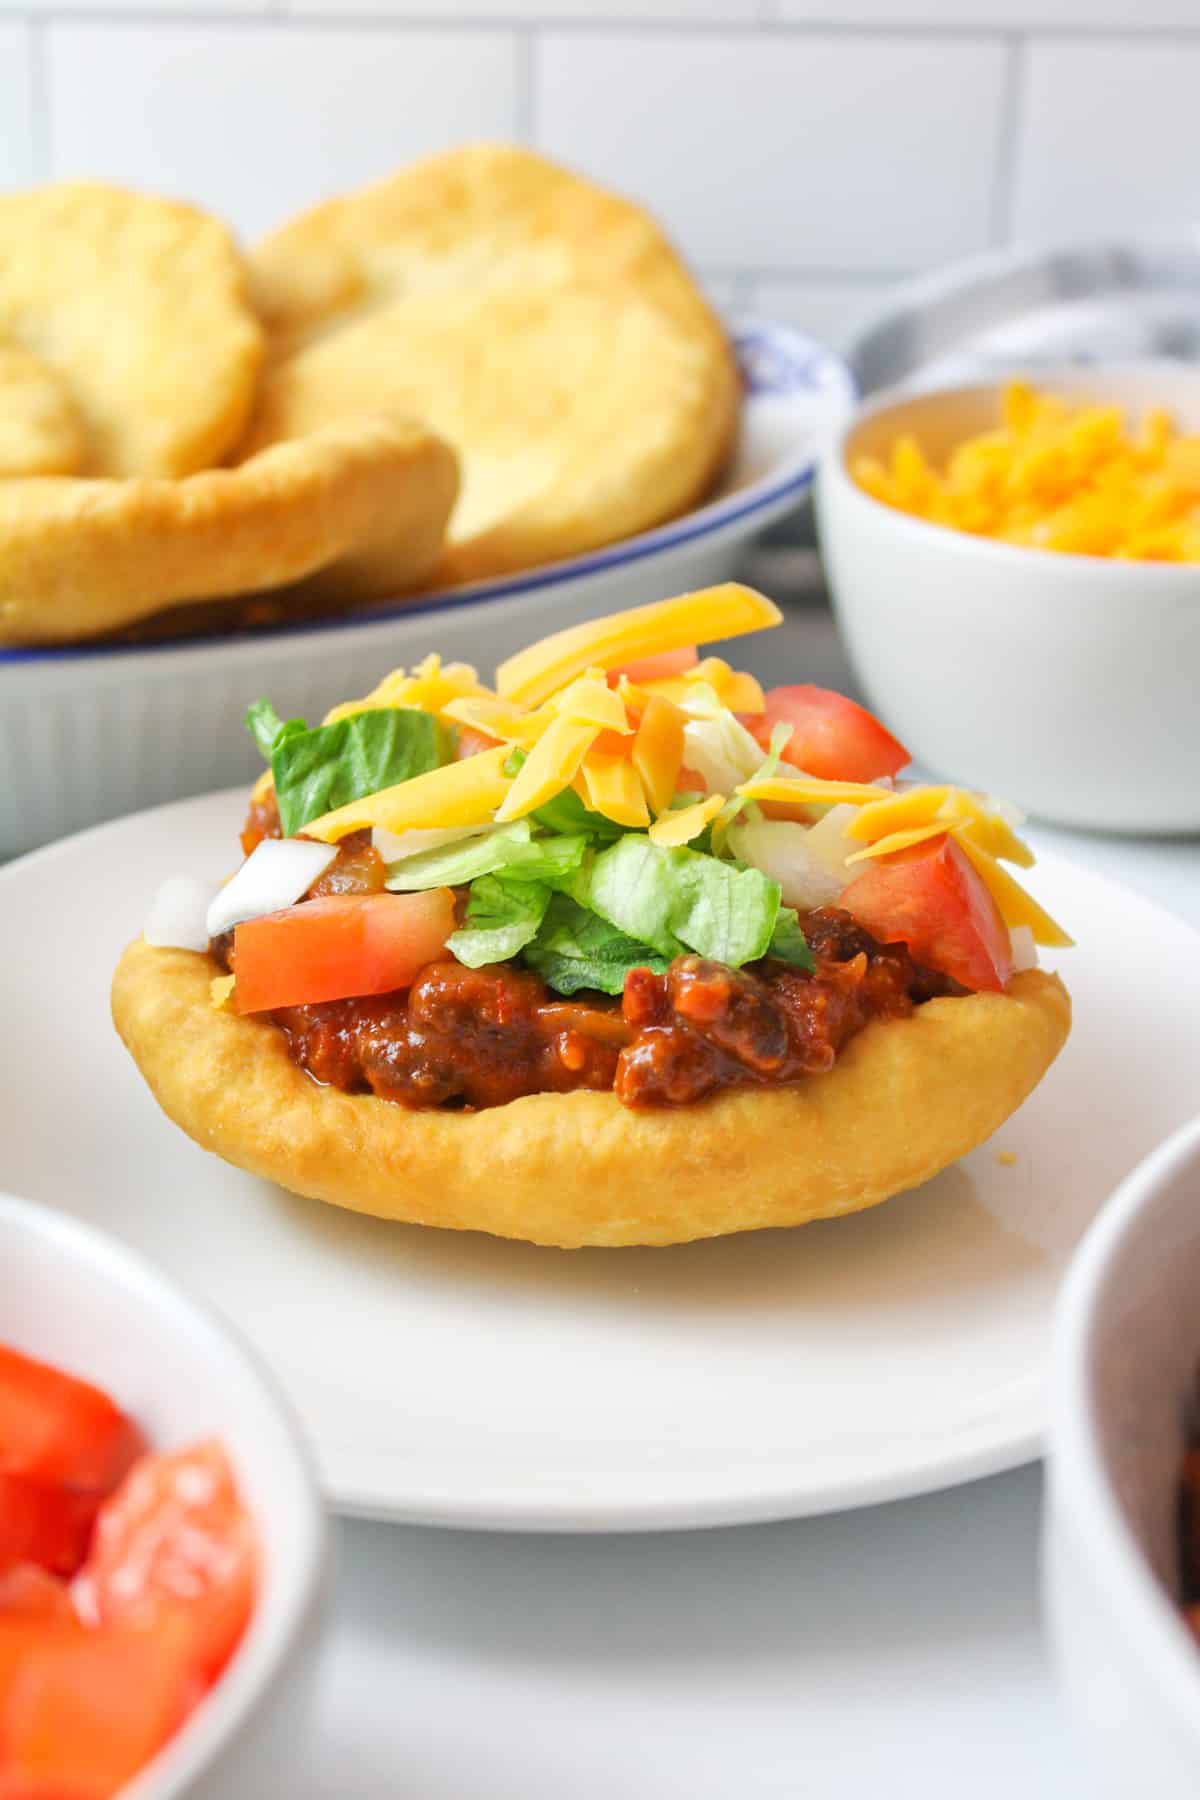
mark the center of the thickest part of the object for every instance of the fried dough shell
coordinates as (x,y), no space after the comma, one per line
(544,327)
(78,558)
(906,1098)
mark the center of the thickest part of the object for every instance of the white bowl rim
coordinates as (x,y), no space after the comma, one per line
(1078,1480)
(227,1708)
(1183,576)
(792,476)
(948,281)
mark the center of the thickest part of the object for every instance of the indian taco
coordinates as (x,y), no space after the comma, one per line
(622,950)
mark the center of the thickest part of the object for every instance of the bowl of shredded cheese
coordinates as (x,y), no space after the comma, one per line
(1015,569)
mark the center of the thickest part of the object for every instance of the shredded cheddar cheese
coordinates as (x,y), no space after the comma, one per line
(686,823)
(565,721)
(700,618)
(1053,477)
(431,686)
(460,793)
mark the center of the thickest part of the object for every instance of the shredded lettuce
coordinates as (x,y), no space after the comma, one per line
(788,942)
(717,745)
(575,949)
(267,728)
(503,916)
(677,900)
(577,897)
(331,765)
(566,812)
(509,848)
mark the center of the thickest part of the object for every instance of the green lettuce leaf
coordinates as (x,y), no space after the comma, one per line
(330,765)
(267,728)
(567,813)
(788,942)
(676,900)
(511,848)
(575,949)
(503,916)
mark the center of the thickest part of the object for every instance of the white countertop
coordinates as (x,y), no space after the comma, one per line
(876,1655)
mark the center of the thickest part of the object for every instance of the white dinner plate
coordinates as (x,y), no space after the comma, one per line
(456,1379)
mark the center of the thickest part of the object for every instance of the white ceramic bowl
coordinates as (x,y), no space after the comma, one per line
(1124,1363)
(88,734)
(76,1298)
(1064,683)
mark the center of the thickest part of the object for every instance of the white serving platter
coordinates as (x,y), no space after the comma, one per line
(94,732)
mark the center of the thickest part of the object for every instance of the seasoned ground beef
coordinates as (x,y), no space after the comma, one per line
(481,1037)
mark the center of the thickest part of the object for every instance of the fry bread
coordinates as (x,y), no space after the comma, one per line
(542,326)
(905,1098)
(139,304)
(41,432)
(81,557)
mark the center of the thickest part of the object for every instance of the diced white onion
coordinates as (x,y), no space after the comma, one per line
(828,843)
(395,846)
(275,874)
(721,751)
(178,914)
(780,848)
(1024,950)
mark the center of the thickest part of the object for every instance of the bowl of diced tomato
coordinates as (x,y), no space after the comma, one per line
(162,1543)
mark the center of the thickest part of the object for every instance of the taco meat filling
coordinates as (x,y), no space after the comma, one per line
(481,1037)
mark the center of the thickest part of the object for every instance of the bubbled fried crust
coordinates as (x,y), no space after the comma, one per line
(544,327)
(139,304)
(41,431)
(906,1098)
(78,558)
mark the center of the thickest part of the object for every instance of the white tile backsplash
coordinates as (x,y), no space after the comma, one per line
(829,310)
(1004,15)
(1110,140)
(768,151)
(17,161)
(581,12)
(803,153)
(258,121)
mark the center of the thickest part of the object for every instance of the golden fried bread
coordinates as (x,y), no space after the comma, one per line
(906,1098)
(139,305)
(41,432)
(544,327)
(82,557)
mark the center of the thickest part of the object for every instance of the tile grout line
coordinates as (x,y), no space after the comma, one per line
(40,120)
(767,26)
(1008,149)
(525,46)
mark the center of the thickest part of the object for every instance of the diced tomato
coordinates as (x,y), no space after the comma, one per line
(832,737)
(471,742)
(930,898)
(45,1524)
(339,946)
(56,1429)
(688,782)
(30,1592)
(174,1549)
(612,743)
(81,1711)
(656,668)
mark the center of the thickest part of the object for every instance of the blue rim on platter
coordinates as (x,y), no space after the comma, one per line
(776,363)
